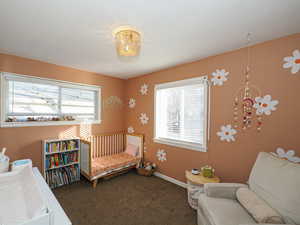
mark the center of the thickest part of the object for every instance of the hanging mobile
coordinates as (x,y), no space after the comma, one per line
(244,100)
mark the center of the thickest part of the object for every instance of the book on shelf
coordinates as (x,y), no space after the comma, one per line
(60,159)
(58,146)
(69,145)
(62,176)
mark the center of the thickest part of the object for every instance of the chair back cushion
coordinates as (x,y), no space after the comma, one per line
(277,182)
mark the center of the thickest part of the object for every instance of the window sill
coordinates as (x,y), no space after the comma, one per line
(180,144)
(46,123)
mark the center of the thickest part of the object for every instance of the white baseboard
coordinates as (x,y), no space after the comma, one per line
(170,179)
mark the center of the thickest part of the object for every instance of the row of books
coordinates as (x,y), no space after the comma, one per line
(62,159)
(61,146)
(62,176)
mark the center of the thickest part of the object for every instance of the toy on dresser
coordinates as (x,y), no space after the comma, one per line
(4,161)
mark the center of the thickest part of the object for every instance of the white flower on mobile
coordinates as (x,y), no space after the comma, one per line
(293,62)
(161,155)
(219,77)
(132,103)
(130,130)
(264,105)
(144,118)
(227,133)
(144,89)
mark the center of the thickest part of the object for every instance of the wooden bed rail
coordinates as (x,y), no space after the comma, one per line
(106,144)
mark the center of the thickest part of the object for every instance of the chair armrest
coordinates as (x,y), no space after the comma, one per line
(222,190)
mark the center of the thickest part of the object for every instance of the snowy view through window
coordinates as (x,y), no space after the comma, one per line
(47,101)
(180,113)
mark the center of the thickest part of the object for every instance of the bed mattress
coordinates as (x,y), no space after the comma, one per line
(112,162)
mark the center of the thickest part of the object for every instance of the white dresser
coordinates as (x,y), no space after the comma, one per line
(59,216)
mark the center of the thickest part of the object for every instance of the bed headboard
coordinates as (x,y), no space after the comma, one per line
(137,140)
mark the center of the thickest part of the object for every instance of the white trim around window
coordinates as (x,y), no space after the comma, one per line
(4,97)
(179,143)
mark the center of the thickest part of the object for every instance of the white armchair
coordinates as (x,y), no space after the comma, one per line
(275,181)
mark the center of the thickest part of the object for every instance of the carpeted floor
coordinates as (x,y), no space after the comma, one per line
(128,199)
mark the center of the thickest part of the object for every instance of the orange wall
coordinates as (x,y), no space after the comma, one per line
(25,142)
(234,160)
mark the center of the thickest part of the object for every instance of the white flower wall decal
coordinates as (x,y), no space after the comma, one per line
(144,89)
(144,118)
(289,155)
(219,77)
(130,130)
(227,133)
(132,103)
(161,155)
(264,105)
(293,62)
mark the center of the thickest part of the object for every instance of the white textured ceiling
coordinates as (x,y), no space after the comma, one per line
(78,33)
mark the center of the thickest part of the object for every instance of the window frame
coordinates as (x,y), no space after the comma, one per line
(178,143)
(4,96)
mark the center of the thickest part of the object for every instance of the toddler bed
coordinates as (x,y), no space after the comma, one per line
(109,154)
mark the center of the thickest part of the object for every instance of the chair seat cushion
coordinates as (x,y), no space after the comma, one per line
(222,211)
(107,163)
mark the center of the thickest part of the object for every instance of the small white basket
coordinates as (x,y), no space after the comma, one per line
(4,165)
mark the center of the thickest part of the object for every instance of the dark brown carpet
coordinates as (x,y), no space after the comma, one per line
(128,199)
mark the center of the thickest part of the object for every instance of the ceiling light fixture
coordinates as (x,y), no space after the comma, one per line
(128,41)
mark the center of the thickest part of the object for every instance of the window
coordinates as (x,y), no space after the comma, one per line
(181,113)
(30,101)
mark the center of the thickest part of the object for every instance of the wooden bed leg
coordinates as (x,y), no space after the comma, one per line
(95,183)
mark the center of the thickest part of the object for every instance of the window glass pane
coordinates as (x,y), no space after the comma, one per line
(77,101)
(31,101)
(77,97)
(180,113)
(32,98)
(34,109)
(193,114)
(77,110)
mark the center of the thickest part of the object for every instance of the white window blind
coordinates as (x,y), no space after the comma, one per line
(80,101)
(181,113)
(32,99)
(45,100)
